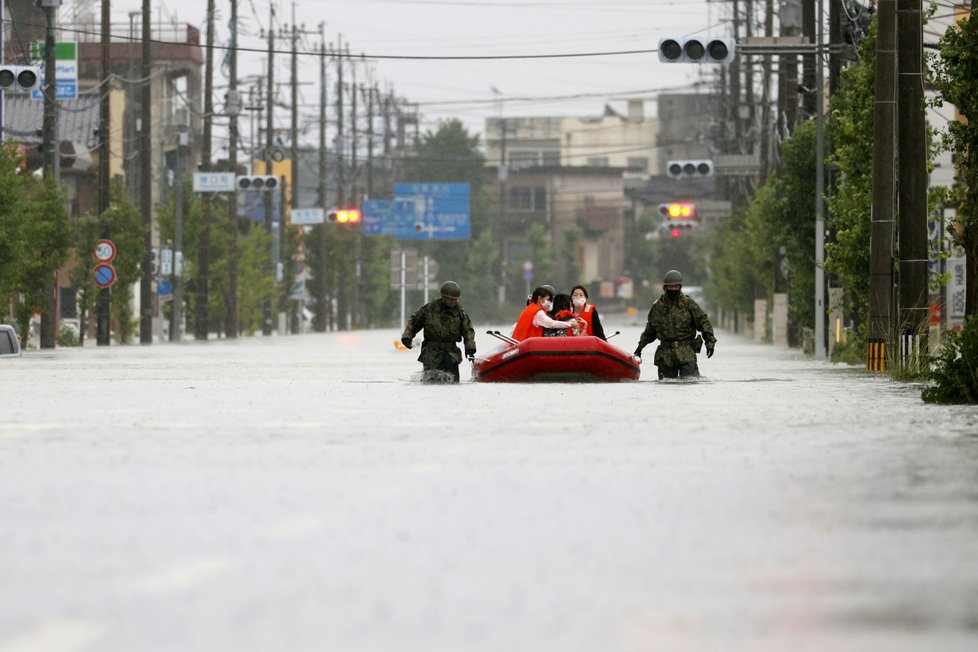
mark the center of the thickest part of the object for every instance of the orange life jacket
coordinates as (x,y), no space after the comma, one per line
(562,316)
(587,314)
(524,325)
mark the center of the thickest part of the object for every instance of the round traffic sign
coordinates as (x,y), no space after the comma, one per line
(104,275)
(105,251)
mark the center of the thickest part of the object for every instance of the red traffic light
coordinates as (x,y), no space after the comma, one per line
(676,233)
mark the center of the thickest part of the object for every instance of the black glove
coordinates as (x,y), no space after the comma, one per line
(709,351)
(638,353)
(408,342)
(470,355)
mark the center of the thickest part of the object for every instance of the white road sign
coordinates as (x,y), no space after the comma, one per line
(214,181)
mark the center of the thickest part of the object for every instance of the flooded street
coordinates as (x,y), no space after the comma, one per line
(304,493)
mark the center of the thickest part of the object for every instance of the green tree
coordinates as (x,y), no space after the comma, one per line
(955,73)
(14,187)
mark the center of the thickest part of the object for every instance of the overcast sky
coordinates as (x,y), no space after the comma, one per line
(579,86)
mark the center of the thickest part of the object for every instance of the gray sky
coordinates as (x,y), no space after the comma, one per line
(475,28)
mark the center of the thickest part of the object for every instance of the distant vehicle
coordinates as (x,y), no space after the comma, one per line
(9,344)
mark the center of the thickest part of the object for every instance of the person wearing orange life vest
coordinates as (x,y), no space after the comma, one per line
(534,317)
(587,311)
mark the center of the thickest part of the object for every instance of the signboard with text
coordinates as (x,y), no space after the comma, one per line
(421,211)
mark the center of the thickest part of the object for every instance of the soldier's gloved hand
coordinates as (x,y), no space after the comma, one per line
(709,351)
(407,342)
(470,355)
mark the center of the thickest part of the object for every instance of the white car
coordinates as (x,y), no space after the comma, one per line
(9,344)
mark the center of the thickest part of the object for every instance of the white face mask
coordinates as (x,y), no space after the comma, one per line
(547,305)
(579,302)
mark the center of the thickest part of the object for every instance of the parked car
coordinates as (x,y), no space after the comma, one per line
(9,344)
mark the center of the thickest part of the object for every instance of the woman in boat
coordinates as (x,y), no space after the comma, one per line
(534,317)
(587,312)
(561,311)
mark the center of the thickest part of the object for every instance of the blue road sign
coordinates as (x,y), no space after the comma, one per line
(104,275)
(163,287)
(421,211)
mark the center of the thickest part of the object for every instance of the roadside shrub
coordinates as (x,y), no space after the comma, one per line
(955,368)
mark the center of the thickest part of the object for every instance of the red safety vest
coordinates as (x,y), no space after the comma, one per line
(587,314)
(524,325)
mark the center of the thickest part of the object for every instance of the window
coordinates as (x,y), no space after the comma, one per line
(551,158)
(638,163)
(598,162)
(527,199)
(523,160)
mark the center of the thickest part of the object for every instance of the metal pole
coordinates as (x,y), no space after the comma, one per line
(426,279)
(267,304)
(820,317)
(233,111)
(202,307)
(403,287)
(51,153)
(104,295)
(176,325)
(145,184)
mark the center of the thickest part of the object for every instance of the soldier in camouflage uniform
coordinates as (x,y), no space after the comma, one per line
(444,323)
(674,320)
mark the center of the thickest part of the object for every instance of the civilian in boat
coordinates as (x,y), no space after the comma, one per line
(674,320)
(444,323)
(561,311)
(587,311)
(534,317)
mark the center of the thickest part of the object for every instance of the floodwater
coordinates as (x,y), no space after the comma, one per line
(304,493)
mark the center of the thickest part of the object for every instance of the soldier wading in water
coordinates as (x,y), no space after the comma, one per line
(444,323)
(674,320)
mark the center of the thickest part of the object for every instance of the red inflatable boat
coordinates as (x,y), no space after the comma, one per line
(556,359)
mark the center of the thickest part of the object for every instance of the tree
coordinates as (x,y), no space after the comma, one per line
(955,74)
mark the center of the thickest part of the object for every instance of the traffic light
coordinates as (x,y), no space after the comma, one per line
(697,50)
(678,229)
(689,169)
(349,217)
(20,78)
(257,182)
(678,211)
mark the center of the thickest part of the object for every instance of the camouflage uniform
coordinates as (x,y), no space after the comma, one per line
(443,327)
(674,322)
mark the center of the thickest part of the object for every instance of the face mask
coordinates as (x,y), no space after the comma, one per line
(548,305)
(579,302)
(672,294)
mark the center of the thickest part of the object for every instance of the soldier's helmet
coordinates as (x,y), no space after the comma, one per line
(672,277)
(451,290)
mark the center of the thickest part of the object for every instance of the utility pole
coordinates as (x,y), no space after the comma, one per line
(233,109)
(49,317)
(202,312)
(267,306)
(340,182)
(176,316)
(912,185)
(370,91)
(884,191)
(790,20)
(145,184)
(766,122)
(104,308)
(294,189)
(319,322)
(820,312)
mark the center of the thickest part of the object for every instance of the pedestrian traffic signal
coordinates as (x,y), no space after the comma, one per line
(345,216)
(257,182)
(20,78)
(697,50)
(678,211)
(689,169)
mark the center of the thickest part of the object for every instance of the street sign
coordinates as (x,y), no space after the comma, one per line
(104,275)
(307,216)
(105,251)
(214,181)
(66,69)
(164,287)
(421,211)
